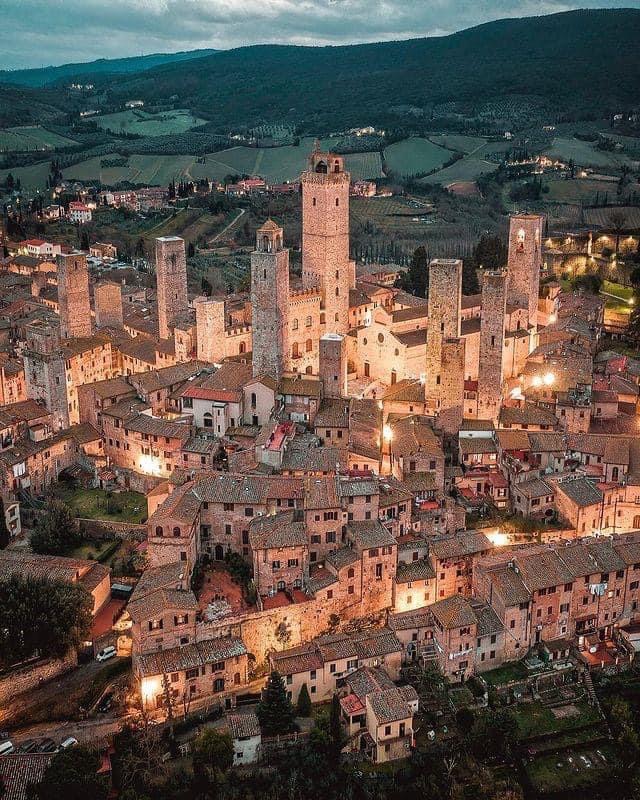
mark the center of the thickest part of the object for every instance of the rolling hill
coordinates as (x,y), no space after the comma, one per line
(46,76)
(586,61)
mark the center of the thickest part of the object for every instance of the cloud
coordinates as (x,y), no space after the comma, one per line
(40,32)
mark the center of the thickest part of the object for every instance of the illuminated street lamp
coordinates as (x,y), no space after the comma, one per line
(549,378)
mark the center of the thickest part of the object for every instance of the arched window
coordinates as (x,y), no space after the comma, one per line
(308,346)
(159,530)
(208,420)
(176,531)
(294,325)
(265,243)
(243,347)
(295,351)
(309,370)
(336,167)
(337,274)
(307,322)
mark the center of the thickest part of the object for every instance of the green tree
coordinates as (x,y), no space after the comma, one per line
(336,734)
(55,531)
(490,252)
(416,279)
(5,536)
(588,283)
(494,734)
(41,615)
(303,706)
(72,775)
(275,711)
(212,757)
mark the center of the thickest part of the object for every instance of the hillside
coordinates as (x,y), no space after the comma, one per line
(582,61)
(46,76)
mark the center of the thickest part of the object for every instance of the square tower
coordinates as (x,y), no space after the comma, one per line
(107,300)
(73,296)
(452,386)
(525,262)
(445,292)
(44,370)
(333,364)
(210,325)
(171,277)
(492,327)
(325,236)
(270,302)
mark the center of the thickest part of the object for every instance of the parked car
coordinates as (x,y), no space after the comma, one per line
(70,741)
(47,746)
(105,704)
(106,653)
(28,746)
(6,747)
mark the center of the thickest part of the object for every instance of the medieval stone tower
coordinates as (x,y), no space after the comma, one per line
(210,325)
(171,276)
(73,296)
(525,262)
(270,302)
(325,236)
(451,399)
(44,370)
(445,291)
(333,364)
(107,299)
(492,328)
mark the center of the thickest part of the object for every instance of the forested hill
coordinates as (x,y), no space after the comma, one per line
(580,60)
(46,76)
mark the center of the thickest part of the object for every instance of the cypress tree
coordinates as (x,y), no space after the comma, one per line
(275,711)
(303,707)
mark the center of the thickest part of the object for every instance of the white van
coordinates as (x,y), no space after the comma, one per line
(107,653)
(6,748)
(70,741)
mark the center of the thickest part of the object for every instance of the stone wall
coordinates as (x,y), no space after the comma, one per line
(23,679)
(108,529)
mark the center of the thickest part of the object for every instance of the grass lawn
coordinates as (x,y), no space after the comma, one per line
(511,671)
(535,719)
(618,290)
(99,504)
(571,770)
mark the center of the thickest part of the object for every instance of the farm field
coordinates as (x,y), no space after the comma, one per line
(32,177)
(32,138)
(585,154)
(153,170)
(142,123)
(601,217)
(415,156)
(467,169)
(577,191)
(459,142)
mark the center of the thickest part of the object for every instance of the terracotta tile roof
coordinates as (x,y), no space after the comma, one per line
(341,558)
(477,445)
(334,647)
(405,391)
(370,533)
(510,586)
(190,656)
(243,724)
(376,642)
(320,492)
(319,578)
(532,488)
(297,659)
(527,415)
(250,489)
(300,387)
(389,706)
(542,569)
(408,620)
(154,603)
(581,491)
(19,770)
(278,530)
(488,621)
(459,544)
(369,679)
(415,571)
(453,612)
(333,413)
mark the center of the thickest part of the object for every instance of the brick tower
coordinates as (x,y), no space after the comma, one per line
(445,291)
(333,364)
(451,386)
(73,296)
(525,262)
(492,326)
(107,299)
(171,276)
(325,236)
(210,325)
(270,302)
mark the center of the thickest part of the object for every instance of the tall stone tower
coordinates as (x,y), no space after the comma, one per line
(44,370)
(525,262)
(451,400)
(171,276)
(333,364)
(107,300)
(73,296)
(210,325)
(445,292)
(492,326)
(270,302)
(325,236)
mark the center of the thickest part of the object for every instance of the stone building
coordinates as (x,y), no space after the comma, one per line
(445,290)
(171,275)
(73,295)
(333,365)
(270,302)
(325,237)
(492,329)
(525,263)
(107,298)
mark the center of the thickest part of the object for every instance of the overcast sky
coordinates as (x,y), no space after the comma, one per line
(36,33)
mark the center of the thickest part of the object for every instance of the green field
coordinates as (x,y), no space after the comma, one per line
(415,156)
(585,154)
(32,138)
(536,719)
(99,504)
(467,169)
(459,142)
(571,771)
(576,191)
(31,177)
(142,123)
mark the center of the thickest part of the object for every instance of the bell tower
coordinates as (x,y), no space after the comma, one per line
(270,301)
(325,236)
